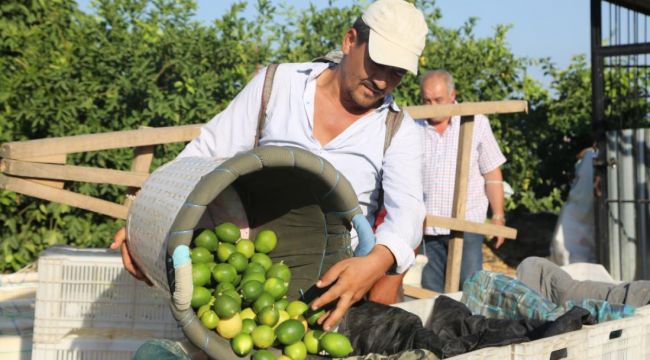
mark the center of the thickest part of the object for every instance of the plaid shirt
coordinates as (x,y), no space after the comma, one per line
(439,169)
(498,296)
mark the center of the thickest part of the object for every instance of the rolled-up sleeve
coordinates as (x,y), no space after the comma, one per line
(232,130)
(490,156)
(401,231)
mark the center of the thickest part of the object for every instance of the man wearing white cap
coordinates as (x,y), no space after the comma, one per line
(339,113)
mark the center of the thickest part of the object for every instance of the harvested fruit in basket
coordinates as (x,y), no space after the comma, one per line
(242,295)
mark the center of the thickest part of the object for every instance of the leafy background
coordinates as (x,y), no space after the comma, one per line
(138,63)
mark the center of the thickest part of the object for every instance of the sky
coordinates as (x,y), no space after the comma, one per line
(557,29)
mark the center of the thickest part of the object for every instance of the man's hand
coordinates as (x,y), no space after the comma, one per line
(388,290)
(499,239)
(119,242)
(353,277)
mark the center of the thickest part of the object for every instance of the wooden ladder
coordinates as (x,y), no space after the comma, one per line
(38,168)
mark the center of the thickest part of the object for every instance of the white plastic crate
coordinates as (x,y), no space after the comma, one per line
(567,346)
(88,348)
(86,303)
(491,353)
(615,340)
(15,347)
(644,313)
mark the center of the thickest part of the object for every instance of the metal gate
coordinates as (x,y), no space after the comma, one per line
(620,49)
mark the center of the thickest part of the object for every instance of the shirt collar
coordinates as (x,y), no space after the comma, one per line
(315,69)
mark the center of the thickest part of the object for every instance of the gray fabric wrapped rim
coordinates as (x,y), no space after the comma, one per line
(293,192)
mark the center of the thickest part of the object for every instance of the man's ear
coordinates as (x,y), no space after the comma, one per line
(453,95)
(349,40)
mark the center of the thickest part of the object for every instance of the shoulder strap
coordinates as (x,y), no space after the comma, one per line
(393,122)
(266,95)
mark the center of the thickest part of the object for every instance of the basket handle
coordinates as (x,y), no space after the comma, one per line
(182,296)
(366,235)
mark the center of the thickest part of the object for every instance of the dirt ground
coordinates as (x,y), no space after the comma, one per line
(534,234)
(492,262)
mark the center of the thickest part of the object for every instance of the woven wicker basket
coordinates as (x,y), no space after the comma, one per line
(299,195)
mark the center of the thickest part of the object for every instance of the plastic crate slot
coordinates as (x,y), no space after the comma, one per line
(615,334)
(559,354)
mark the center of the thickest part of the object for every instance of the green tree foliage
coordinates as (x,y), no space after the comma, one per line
(135,63)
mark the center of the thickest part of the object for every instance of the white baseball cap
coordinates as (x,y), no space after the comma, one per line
(397,33)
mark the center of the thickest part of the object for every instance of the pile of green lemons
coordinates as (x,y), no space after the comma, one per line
(241,293)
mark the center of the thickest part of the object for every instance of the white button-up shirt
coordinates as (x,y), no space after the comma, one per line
(441,152)
(357,152)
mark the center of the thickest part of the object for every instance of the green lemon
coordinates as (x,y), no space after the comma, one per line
(206,238)
(284,316)
(297,308)
(211,265)
(230,327)
(237,280)
(228,232)
(202,309)
(265,299)
(263,336)
(200,296)
(238,261)
(254,276)
(263,260)
(201,255)
(303,321)
(224,250)
(265,241)
(276,287)
(248,313)
(268,316)
(210,319)
(337,345)
(263,355)
(280,271)
(201,274)
(242,344)
(290,331)
(248,325)
(296,351)
(223,287)
(255,267)
(233,294)
(314,315)
(311,341)
(251,290)
(225,306)
(224,273)
(282,304)
(284,357)
(245,247)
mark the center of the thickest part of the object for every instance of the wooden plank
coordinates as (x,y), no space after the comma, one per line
(26,150)
(468,108)
(455,247)
(141,164)
(31,188)
(71,173)
(470,226)
(418,293)
(142,160)
(50,159)
(51,183)
(111,140)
